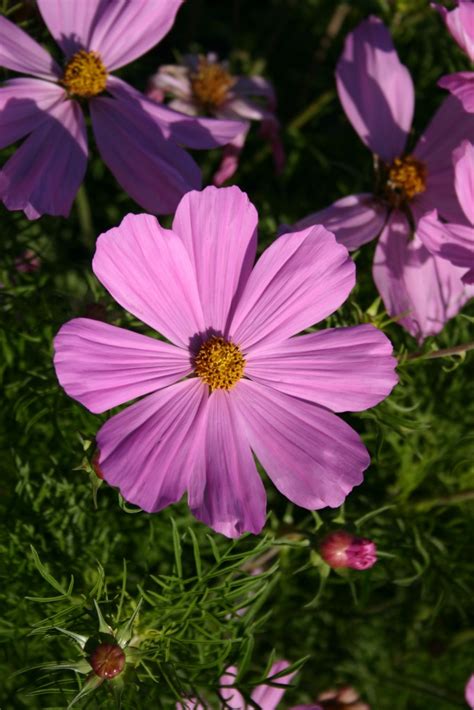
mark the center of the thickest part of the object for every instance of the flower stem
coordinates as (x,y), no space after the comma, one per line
(444,352)
(85,217)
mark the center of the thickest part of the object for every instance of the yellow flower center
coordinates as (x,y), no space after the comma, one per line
(219,363)
(406,178)
(210,83)
(85,75)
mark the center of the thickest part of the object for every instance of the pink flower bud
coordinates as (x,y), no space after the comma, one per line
(341,549)
(107,660)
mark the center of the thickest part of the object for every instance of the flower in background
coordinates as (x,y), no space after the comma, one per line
(469,692)
(201,85)
(28,262)
(341,549)
(138,140)
(346,698)
(232,379)
(460,23)
(418,287)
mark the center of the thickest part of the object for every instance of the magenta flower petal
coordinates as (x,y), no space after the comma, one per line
(222,264)
(412,281)
(71,23)
(233,698)
(461,85)
(255,86)
(343,369)
(45,173)
(102,366)
(463,159)
(154,171)
(447,129)
(354,220)
(267,697)
(299,280)
(19,52)
(469,692)
(454,242)
(312,456)
(460,23)
(147,270)
(375,89)
(24,106)
(125,30)
(234,499)
(230,158)
(151,449)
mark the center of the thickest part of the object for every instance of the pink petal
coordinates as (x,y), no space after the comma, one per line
(463,159)
(375,89)
(219,231)
(103,366)
(469,692)
(454,242)
(299,280)
(230,158)
(154,171)
(234,499)
(171,79)
(312,456)
(460,23)
(125,30)
(354,220)
(24,105)
(19,52)
(147,270)
(238,107)
(152,450)
(343,369)
(255,86)
(447,129)
(233,698)
(412,281)
(461,85)
(70,22)
(44,174)
(268,697)
(191,131)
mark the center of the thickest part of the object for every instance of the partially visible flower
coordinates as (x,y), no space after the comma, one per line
(469,692)
(138,140)
(341,549)
(201,85)
(460,23)
(28,262)
(419,288)
(346,698)
(232,378)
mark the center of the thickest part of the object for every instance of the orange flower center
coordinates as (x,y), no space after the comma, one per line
(406,178)
(85,75)
(210,83)
(219,363)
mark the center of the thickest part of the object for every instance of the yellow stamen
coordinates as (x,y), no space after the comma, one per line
(85,75)
(219,363)
(211,83)
(406,178)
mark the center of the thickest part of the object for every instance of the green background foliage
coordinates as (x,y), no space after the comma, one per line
(403,632)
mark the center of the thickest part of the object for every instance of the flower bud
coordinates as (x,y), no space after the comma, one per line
(107,660)
(341,549)
(95,465)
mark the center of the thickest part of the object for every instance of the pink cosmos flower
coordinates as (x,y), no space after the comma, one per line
(202,85)
(138,140)
(377,94)
(232,379)
(460,23)
(469,692)
(342,550)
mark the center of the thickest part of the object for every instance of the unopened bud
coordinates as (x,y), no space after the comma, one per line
(107,660)
(341,549)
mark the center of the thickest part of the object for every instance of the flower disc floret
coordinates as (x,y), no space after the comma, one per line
(219,363)
(406,179)
(85,75)
(211,83)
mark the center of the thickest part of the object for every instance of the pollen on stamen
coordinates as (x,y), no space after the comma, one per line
(406,179)
(219,363)
(211,83)
(85,75)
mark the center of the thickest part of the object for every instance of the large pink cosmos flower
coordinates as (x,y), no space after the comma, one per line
(138,139)
(460,23)
(202,85)
(233,379)
(377,94)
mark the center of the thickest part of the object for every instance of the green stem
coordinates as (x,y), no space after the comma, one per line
(311,110)
(453,499)
(444,352)
(85,217)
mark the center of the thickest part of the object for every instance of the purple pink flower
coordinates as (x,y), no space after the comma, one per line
(201,85)
(341,549)
(469,692)
(460,23)
(418,287)
(232,379)
(139,140)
